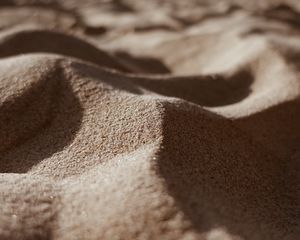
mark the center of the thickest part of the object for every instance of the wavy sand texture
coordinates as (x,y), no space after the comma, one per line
(149,120)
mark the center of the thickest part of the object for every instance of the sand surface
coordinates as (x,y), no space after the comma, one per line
(149,120)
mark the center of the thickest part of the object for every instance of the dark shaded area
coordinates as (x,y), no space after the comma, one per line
(139,64)
(277,127)
(51,3)
(4,3)
(219,177)
(145,27)
(118,6)
(90,30)
(278,130)
(206,90)
(283,13)
(27,111)
(58,131)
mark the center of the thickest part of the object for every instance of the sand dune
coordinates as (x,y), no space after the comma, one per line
(186,131)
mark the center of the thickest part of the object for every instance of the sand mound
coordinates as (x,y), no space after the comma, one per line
(188,132)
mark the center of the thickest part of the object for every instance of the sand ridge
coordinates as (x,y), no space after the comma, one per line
(186,131)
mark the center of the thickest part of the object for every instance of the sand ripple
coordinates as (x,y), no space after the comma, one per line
(198,140)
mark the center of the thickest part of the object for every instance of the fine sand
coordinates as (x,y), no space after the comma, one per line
(149,120)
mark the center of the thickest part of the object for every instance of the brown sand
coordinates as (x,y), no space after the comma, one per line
(149,120)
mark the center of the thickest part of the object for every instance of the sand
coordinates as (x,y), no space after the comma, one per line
(149,120)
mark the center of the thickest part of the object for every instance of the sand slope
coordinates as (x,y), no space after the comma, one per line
(181,123)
